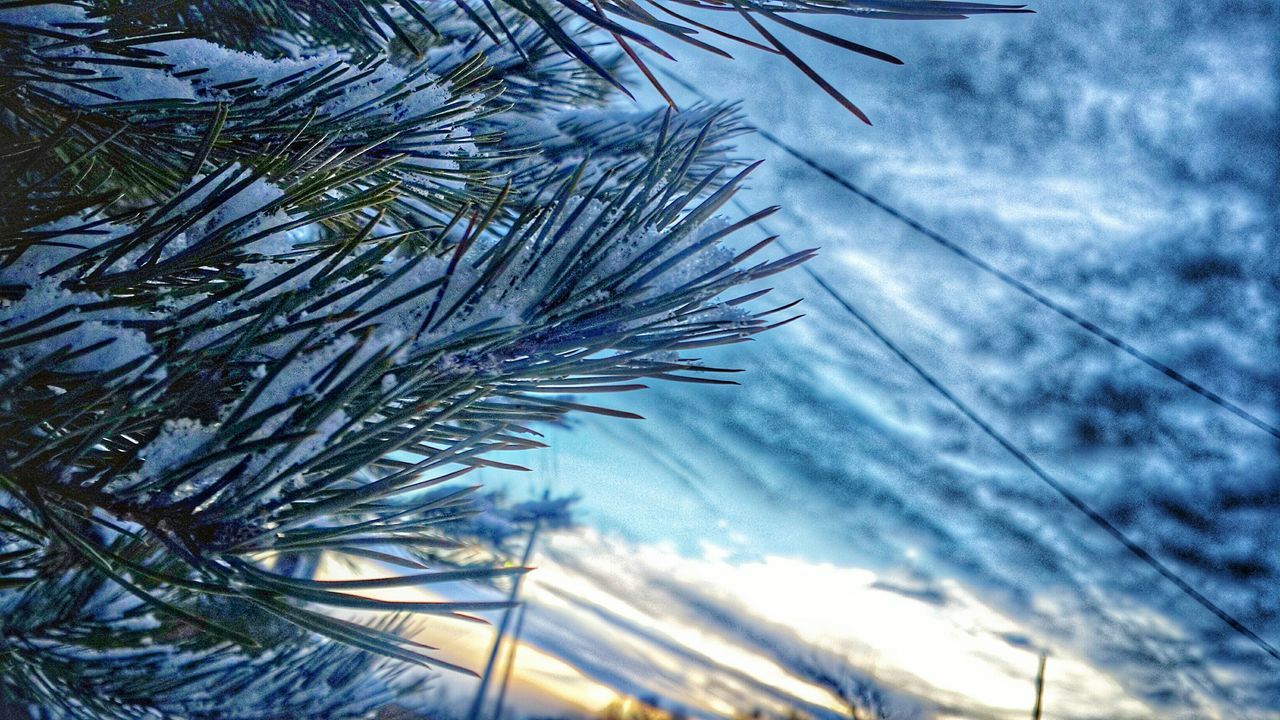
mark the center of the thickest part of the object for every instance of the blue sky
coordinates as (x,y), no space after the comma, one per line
(833,521)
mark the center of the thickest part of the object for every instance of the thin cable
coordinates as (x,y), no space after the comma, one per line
(1022,287)
(1078,503)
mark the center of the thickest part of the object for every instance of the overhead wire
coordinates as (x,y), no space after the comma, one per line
(1007,278)
(986,427)
(1028,462)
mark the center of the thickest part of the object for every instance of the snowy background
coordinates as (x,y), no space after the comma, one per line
(833,526)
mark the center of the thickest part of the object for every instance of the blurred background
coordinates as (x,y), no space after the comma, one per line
(832,537)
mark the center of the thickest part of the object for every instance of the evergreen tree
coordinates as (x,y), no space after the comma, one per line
(273,272)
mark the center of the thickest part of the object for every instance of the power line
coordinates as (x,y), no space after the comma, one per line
(1019,285)
(1022,457)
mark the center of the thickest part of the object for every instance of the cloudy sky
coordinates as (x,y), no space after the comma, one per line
(833,527)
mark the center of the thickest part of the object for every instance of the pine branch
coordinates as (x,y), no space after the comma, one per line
(215,379)
(276,276)
(129,105)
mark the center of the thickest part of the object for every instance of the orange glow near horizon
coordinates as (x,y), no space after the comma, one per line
(955,654)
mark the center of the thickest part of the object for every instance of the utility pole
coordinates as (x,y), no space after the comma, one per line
(1035,711)
(474,713)
(511,662)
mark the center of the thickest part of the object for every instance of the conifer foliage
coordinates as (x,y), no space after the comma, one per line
(273,272)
